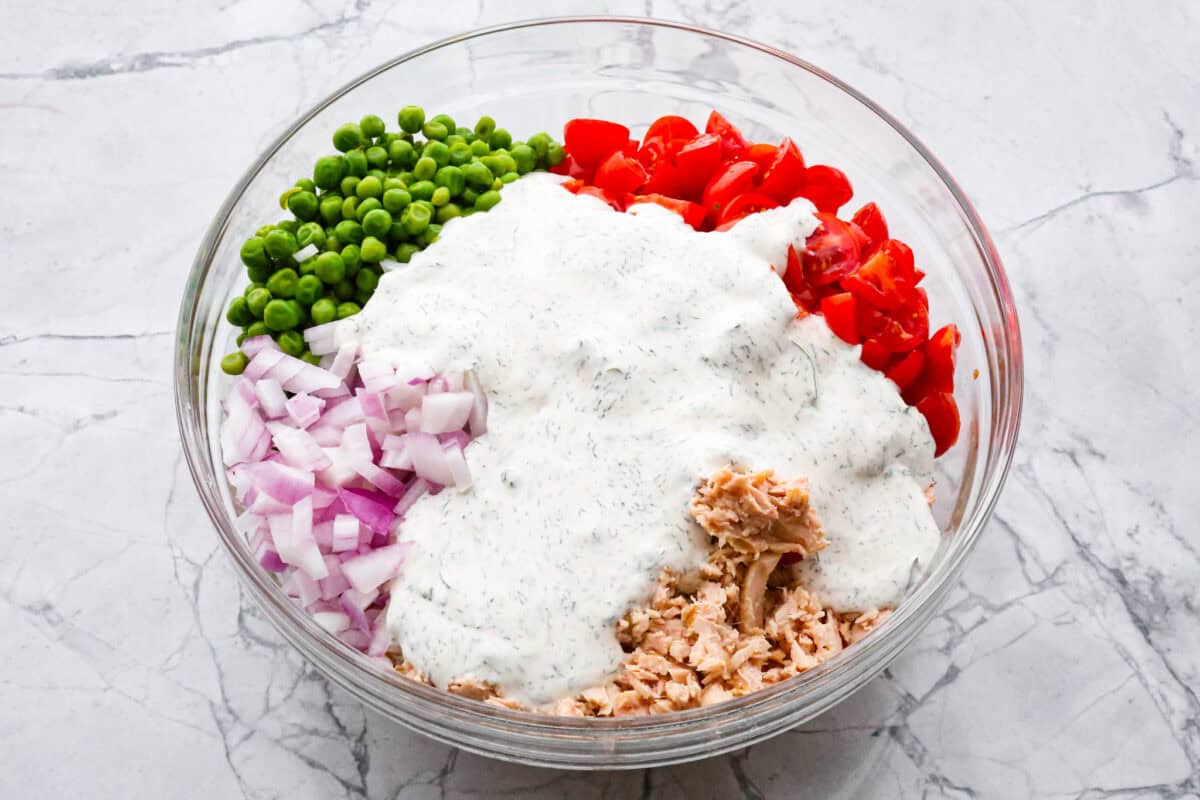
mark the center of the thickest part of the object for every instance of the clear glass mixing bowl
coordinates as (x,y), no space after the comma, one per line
(534,76)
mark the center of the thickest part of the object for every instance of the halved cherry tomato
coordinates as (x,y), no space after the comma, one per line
(838,310)
(783,178)
(905,373)
(875,355)
(906,327)
(692,213)
(732,141)
(670,127)
(572,168)
(733,179)
(886,278)
(938,374)
(631,147)
(743,206)
(620,174)
(941,412)
(804,294)
(591,141)
(596,191)
(830,253)
(573,185)
(696,162)
(761,154)
(827,187)
(870,219)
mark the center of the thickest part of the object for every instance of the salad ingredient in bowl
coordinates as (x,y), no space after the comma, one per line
(583,378)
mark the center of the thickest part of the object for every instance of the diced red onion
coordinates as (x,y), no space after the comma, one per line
(343,362)
(333,584)
(396,458)
(298,447)
(326,435)
(342,413)
(411,495)
(357,618)
(305,253)
(371,570)
(380,640)
(412,419)
(285,484)
(372,404)
(304,409)
(301,586)
(262,362)
(376,376)
(458,467)
(271,562)
(380,478)
(360,600)
(445,412)
(322,339)
(373,509)
(428,457)
(254,344)
(345,533)
(271,398)
(332,621)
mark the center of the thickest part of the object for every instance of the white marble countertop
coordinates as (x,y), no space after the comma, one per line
(1066,664)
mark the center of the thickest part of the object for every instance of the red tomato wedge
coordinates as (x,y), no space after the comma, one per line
(939,354)
(905,373)
(761,154)
(838,310)
(736,177)
(591,141)
(670,127)
(875,355)
(783,178)
(695,164)
(906,327)
(827,187)
(830,253)
(732,141)
(886,278)
(743,206)
(941,412)
(804,294)
(596,191)
(870,219)
(572,168)
(620,174)
(692,213)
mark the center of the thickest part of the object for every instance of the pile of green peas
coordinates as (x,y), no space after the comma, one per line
(384,196)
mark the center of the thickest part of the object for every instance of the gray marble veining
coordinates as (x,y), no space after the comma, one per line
(1065,664)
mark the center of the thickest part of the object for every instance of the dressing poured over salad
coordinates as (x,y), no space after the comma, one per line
(654,431)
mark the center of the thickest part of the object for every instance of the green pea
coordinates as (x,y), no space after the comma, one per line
(366,207)
(377,156)
(348,230)
(466,212)
(448,212)
(415,219)
(330,268)
(525,157)
(402,154)
(452,178)
(393,183)
(361,296)
(510,163)
(279,316)
(238,313)
(330,209)
(280,244)
(324,310)
(434,130)
(446,121)
(264,230)
(258,328)
(377,173)
(310,357)
(306,185)
(350,207)
(377,223)
(406,251)
(406,177)
(555,154)
(485,127)
(394,200)
(441,196)
(369,187)
(347,137)
(438,151)
(467,134)
(480,148)
(300,312)
(287,195)
(259,274)
(500,139)
(254,253)
(344,290)
(351,257)
(283,283)
(371,126)
(310,287)
(422,190)
(497,184)
(329,171)
(477,176)
(429,235)
(487,200)
(494,164)
(349,185)
(234,363)
(396,234)
(250,287)
(468,197)
(241,337)
(411,118)
(373,250)
(356,163)
(509,177)
(311,233)
(367,279)
(291,342)
(288,225)
(460,154)
(331,242)
(347,310)
(454,139)
(425,168)
(539,142)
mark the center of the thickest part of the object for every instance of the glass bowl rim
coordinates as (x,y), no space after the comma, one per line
(884,643)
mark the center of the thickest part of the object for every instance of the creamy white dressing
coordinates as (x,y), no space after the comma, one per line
(625,356)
